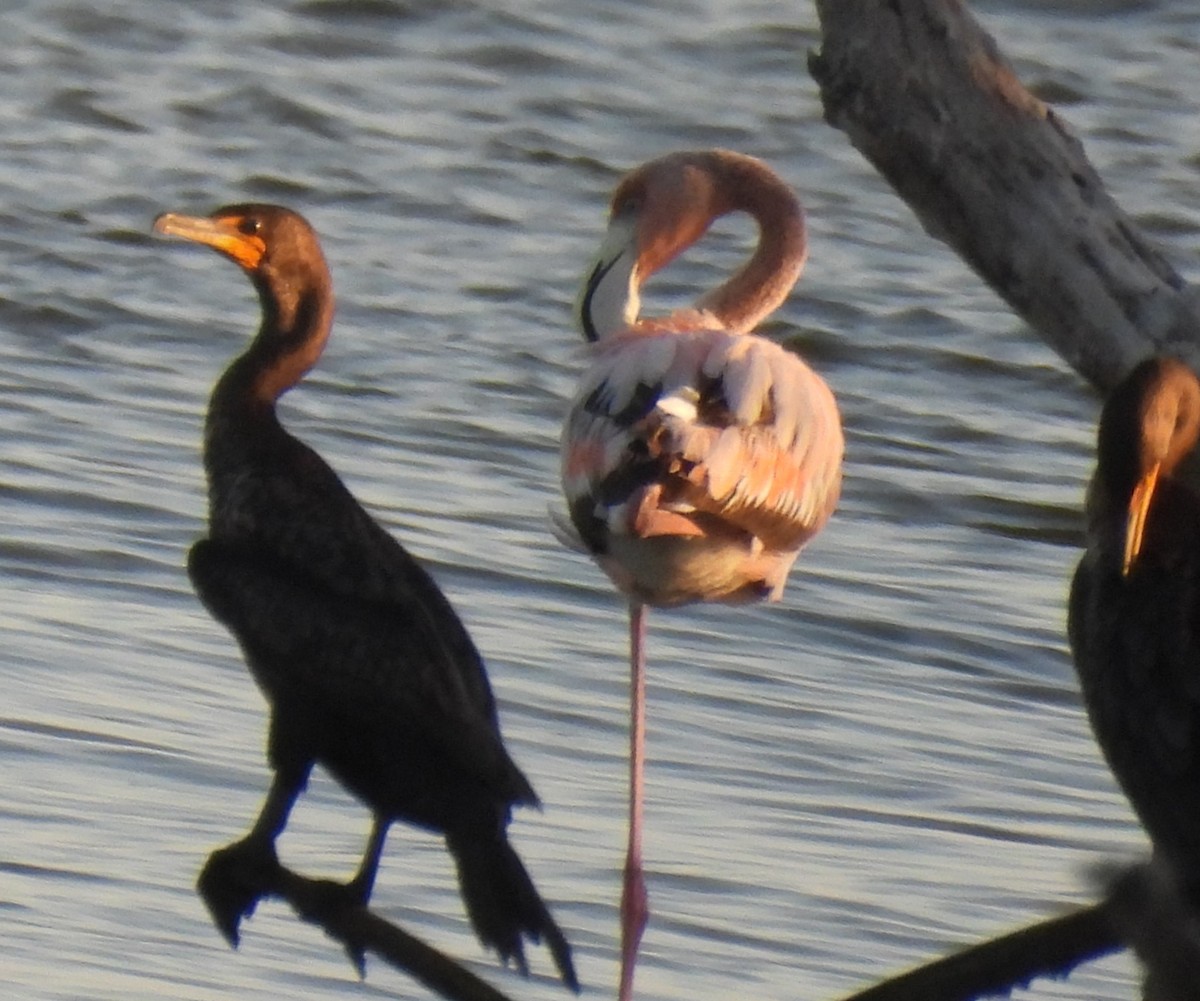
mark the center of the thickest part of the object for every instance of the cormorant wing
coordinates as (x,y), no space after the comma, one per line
(384,669)
(296,510)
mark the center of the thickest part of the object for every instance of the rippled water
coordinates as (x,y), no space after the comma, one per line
(890,763)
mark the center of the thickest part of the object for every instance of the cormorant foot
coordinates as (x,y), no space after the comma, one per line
(233,881)
(330,899)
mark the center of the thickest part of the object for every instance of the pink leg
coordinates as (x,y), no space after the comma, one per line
(634,902)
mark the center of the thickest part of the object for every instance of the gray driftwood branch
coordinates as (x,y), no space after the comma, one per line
(989,169)
(992,171)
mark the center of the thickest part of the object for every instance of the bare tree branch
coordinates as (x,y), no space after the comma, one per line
(926,96)
(1050,948)
(1144,905)
(234,881)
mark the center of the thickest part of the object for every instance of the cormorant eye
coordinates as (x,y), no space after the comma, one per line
(249,225)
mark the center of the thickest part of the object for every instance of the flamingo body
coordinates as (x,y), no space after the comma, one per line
(697,462)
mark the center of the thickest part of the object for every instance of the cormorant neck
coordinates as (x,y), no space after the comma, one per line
(295,327)
(296,321)
(297,318)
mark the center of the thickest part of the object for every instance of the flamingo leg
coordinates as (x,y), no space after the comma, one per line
(634,901)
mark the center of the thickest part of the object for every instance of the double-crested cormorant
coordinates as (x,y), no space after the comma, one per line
(697,458)
(366,666)
(1135,607)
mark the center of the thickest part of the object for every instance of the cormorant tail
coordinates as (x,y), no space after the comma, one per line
(503,903)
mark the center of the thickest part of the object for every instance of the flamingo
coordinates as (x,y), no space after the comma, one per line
(697,457)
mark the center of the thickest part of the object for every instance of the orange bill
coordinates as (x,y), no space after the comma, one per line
(223,234)
(1135,526)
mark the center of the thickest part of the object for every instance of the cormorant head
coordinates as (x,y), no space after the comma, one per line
(1149,424)
(275,246)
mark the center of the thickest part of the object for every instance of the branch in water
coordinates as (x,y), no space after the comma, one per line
(235,879)
(927,97)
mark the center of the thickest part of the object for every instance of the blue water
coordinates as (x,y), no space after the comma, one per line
(890,763)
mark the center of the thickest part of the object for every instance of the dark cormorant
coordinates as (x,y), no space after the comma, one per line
(1135,607)
(366,666)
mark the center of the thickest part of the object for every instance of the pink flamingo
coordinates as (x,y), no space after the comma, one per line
(697,457)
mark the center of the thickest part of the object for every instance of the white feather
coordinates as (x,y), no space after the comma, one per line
(747,382)
(680,404)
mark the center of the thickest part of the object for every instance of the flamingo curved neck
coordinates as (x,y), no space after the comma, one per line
(677,200)
(764,282)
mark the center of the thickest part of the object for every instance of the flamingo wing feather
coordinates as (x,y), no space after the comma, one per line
(732,426)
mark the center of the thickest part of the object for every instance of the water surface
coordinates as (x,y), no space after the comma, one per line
(891,762)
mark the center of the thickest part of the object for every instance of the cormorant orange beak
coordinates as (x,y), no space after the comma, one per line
(1135,526)
(222,234)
